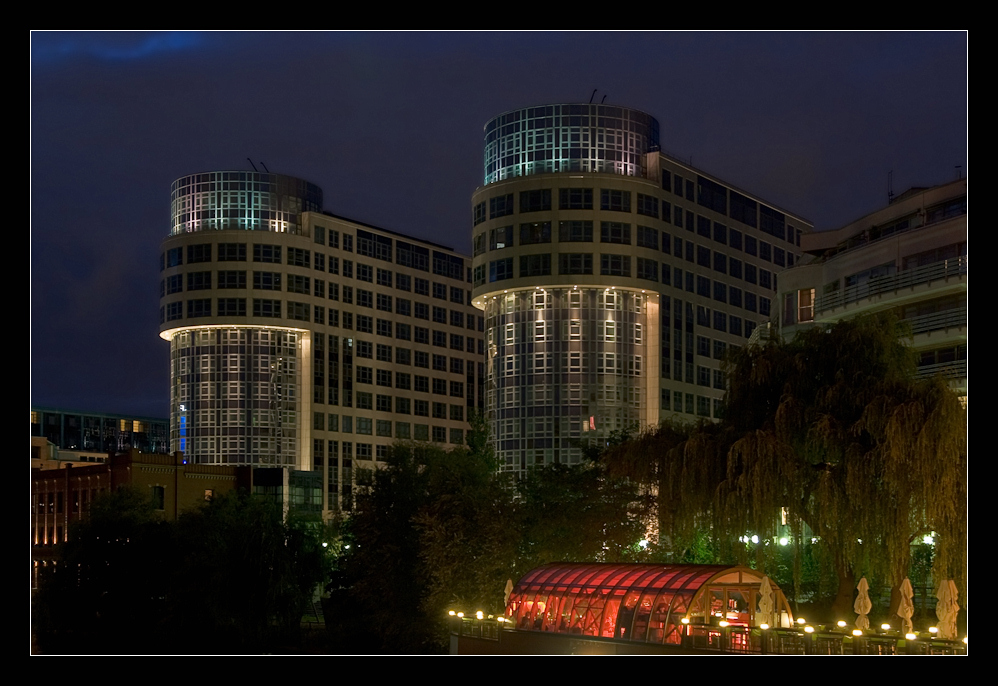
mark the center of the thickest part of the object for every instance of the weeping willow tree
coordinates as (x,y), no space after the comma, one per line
(833,429)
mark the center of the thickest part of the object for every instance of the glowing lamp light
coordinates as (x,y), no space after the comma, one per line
(885,626)
(480,615)
(933,629)
(643,543)
(841,624)
(910,636)
(965,640)
(452,613)
(722,623)
(755,539)
(784,540)
(685,620)
(325,545)
(857,632)
(801,620)
(928,540)
(809,629)
(763,626)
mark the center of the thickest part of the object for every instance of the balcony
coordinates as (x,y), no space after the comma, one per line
(909,278)
(938,321)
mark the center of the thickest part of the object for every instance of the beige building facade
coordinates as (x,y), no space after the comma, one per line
(613,278)
(909,257)
(308,341)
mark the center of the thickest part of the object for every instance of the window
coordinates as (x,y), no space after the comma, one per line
(648,238)
(320,262)
(384,302)
(440,338)
(365,401)
(299,284)
(421,335)
(647,269)
(575,263)
(298,257)
(199,308)
(720,263)
(615,232)
(267,253)
(199,253)
(647,205)
(536,232)
(385,327)
(440,386)
(365,324)
(500,206)
(364,298)
(299,311)
(500,270)
(266,308)
(575,232)
(478,213)
(232,307)
(422,359)
(501,238)
(231,252)
(535,201)
(720,233)
(805,305)
(457,318)
(403,282)
(403,406)
(421,384)
(403,332)
(615,265)
(575,199)
(615,201)
(175,284)
(535,265)
(384,377)
(403,356)
(365,375)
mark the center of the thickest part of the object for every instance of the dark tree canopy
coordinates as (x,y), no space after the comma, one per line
(833,427)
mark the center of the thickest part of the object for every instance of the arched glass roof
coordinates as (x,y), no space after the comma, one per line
(638,602)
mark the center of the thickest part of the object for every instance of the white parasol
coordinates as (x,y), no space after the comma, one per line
(862,606)
(906,609)
(947,609)
(766,603)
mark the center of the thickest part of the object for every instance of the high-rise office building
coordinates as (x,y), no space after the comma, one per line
(909,257)
(613,278)
(304,340)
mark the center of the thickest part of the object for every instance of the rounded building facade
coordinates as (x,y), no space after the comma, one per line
(613,278)
(239,371)
(304,340)
(571,333)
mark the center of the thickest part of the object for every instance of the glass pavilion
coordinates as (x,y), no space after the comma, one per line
(639,602)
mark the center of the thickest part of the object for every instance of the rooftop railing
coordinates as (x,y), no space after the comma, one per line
(908,278)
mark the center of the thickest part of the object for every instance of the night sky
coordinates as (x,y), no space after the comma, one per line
(389,125)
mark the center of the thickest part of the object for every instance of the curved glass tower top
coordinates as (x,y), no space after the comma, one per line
(558,138)
(252,201)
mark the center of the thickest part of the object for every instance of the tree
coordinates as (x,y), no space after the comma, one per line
(231,576)
(244,575)
(111,579)
(834,428)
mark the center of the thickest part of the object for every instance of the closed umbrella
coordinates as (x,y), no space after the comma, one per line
(906,609)
(862,606)
(947,609)
(766,603)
